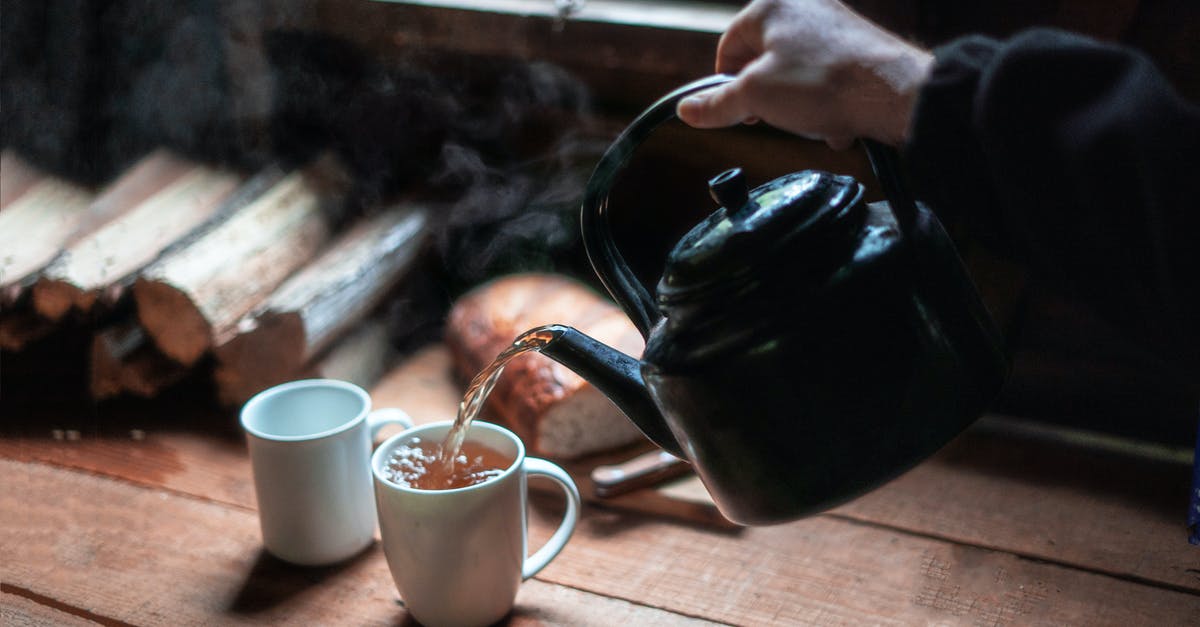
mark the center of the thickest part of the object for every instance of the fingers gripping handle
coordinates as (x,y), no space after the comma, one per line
(536,562)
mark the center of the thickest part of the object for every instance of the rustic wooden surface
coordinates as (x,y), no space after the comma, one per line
(145,514)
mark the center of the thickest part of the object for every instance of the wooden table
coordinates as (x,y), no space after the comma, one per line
(145,514)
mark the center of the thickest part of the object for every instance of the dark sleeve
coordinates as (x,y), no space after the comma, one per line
(1079,160)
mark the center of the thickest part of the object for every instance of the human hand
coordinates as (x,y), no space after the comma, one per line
(815,68)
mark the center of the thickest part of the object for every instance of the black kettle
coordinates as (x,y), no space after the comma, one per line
(804,346)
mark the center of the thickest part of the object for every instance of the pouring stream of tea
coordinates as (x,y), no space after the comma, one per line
(482,384)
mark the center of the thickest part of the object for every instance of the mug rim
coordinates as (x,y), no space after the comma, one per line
(388,444)
(275,390)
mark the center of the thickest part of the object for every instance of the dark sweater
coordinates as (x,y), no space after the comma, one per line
(1078,159)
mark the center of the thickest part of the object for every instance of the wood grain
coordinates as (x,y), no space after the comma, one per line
(318,304)
(828,571)
(198,291)
(34,227)
(1095,512)
(1117,514)
(119,553)
(19,611)
(106,259)
(148,176)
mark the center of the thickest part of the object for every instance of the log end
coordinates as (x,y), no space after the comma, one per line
(19,328)
(269,353)
(172,321)
(52,298)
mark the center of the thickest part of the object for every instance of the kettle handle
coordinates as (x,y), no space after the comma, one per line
(606,260)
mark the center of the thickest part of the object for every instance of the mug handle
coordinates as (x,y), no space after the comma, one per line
(536,562)
(380,418)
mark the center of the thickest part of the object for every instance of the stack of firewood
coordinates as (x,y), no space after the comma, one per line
(177,264)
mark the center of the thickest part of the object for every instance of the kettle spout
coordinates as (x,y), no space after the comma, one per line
(617,375)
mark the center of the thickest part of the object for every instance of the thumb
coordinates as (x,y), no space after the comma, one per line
(713,108)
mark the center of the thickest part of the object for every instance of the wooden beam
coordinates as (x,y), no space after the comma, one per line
(318,304)
(198,292)
(22,608)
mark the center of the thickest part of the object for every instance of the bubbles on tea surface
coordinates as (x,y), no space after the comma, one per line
(410,461)
(416,464)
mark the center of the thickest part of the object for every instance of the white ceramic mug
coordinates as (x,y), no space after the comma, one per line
(310,449)
(458,556)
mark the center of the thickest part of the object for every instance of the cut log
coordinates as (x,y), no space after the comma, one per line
(316,305)
(195,293)
(155,171)
(34,226)
(20,327)
(106,260)
(123,360)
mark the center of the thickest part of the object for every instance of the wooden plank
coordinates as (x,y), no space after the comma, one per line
(118,552)
(19,611)
(1097,512)
(827,571)
(118,545)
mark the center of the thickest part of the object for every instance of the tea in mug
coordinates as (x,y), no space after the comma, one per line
(415,464)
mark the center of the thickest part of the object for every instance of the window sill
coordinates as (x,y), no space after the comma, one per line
(699,17)
(628,52)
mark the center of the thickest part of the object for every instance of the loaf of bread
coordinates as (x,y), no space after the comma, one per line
(554,411)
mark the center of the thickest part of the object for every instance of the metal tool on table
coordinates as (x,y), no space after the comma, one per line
(644,471)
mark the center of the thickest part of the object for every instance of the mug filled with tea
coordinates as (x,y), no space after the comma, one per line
(310,447)
(453,522)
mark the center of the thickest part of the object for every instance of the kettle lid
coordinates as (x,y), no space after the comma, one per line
(776,223)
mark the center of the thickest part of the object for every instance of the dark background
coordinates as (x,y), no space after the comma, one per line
(503,117)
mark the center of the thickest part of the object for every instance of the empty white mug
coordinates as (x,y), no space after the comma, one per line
(310,449)
(458,556)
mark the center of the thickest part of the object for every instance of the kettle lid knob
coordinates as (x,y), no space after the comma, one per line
(729,189)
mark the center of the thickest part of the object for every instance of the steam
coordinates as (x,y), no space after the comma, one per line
(88,88)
